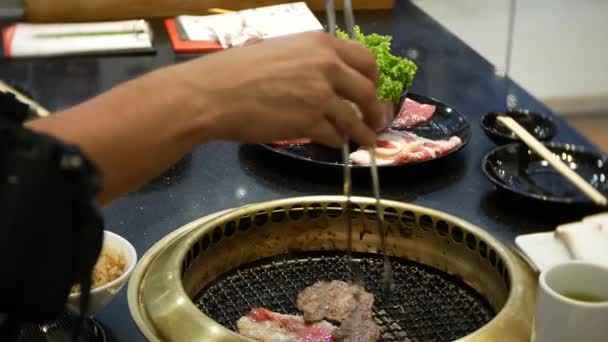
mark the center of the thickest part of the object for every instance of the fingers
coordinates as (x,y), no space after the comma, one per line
(347,120)
(355,87)
(359,58)
(325,133)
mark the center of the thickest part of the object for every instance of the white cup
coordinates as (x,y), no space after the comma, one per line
(559,318)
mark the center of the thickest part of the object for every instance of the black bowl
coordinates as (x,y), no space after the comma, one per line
(516,169)
(540,126)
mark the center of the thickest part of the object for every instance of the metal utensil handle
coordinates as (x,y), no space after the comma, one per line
(510,100)
(330,9)
(354,267)
(349,20)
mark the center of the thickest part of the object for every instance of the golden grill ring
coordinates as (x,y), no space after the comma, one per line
(160,295)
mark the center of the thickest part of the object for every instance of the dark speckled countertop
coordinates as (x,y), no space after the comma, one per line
(223,175)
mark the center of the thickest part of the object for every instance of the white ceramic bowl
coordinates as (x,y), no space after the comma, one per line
(102,295)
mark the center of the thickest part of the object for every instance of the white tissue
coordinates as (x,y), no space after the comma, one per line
(248,26)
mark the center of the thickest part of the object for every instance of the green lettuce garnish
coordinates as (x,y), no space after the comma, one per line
(396,73)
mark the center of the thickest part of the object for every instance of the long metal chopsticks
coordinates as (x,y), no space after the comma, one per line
(349,20)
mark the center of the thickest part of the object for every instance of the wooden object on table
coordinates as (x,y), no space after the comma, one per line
(557,164)
(96,10)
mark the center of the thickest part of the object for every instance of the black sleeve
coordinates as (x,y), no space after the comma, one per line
(50,229)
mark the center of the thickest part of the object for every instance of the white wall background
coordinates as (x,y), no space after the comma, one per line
(560,51)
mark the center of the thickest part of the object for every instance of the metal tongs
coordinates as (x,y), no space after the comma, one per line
(387,278)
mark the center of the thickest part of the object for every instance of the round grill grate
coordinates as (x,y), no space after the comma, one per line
(426,305)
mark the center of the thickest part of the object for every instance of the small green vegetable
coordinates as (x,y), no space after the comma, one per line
(396,73)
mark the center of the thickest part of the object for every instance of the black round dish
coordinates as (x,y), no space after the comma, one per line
(516,169)
(540,126)
(61,330)
(445,123)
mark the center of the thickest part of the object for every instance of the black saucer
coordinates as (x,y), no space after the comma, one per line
(61,331)
(540,126)
(516,169)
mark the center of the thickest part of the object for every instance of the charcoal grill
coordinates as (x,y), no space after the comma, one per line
(453,281)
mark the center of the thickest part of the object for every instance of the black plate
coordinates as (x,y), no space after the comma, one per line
(515,168)
(445,123)
(540,126)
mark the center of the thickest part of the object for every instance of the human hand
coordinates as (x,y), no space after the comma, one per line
(288,88)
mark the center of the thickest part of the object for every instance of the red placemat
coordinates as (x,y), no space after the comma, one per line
(7,39)
(187,46)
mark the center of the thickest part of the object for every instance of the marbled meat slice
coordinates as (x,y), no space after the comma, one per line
(346,303)
(362,157)
(388,145)
(302,141)
(397,147)
(333,300)
(413,113)
(262,324)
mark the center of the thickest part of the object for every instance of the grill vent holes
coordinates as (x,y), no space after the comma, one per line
(244,223)
(483,249)
(426,222)
(370,212)
(230,228)
(201,246)
(471,241)
(442,228)
(500,266)
(354,209)
(408,218)
(334,210)
(205,242)
(492,257)
(217,234)
(278,215)
(457,234)
(195,251)
(390,215)
(260,218)
(296,212)
(315,210)
(188,260)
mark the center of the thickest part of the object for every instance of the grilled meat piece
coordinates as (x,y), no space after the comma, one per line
(264,325)
(358,327)
(346,303)
(333,300)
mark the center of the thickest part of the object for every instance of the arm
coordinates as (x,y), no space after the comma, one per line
(274,90)
(134,131)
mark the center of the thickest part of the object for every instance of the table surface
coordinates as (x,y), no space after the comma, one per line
(223,175)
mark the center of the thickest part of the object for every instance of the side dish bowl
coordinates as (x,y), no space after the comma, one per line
(102,295)
(540,126)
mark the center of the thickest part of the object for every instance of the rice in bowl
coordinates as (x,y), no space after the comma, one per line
(110,265)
